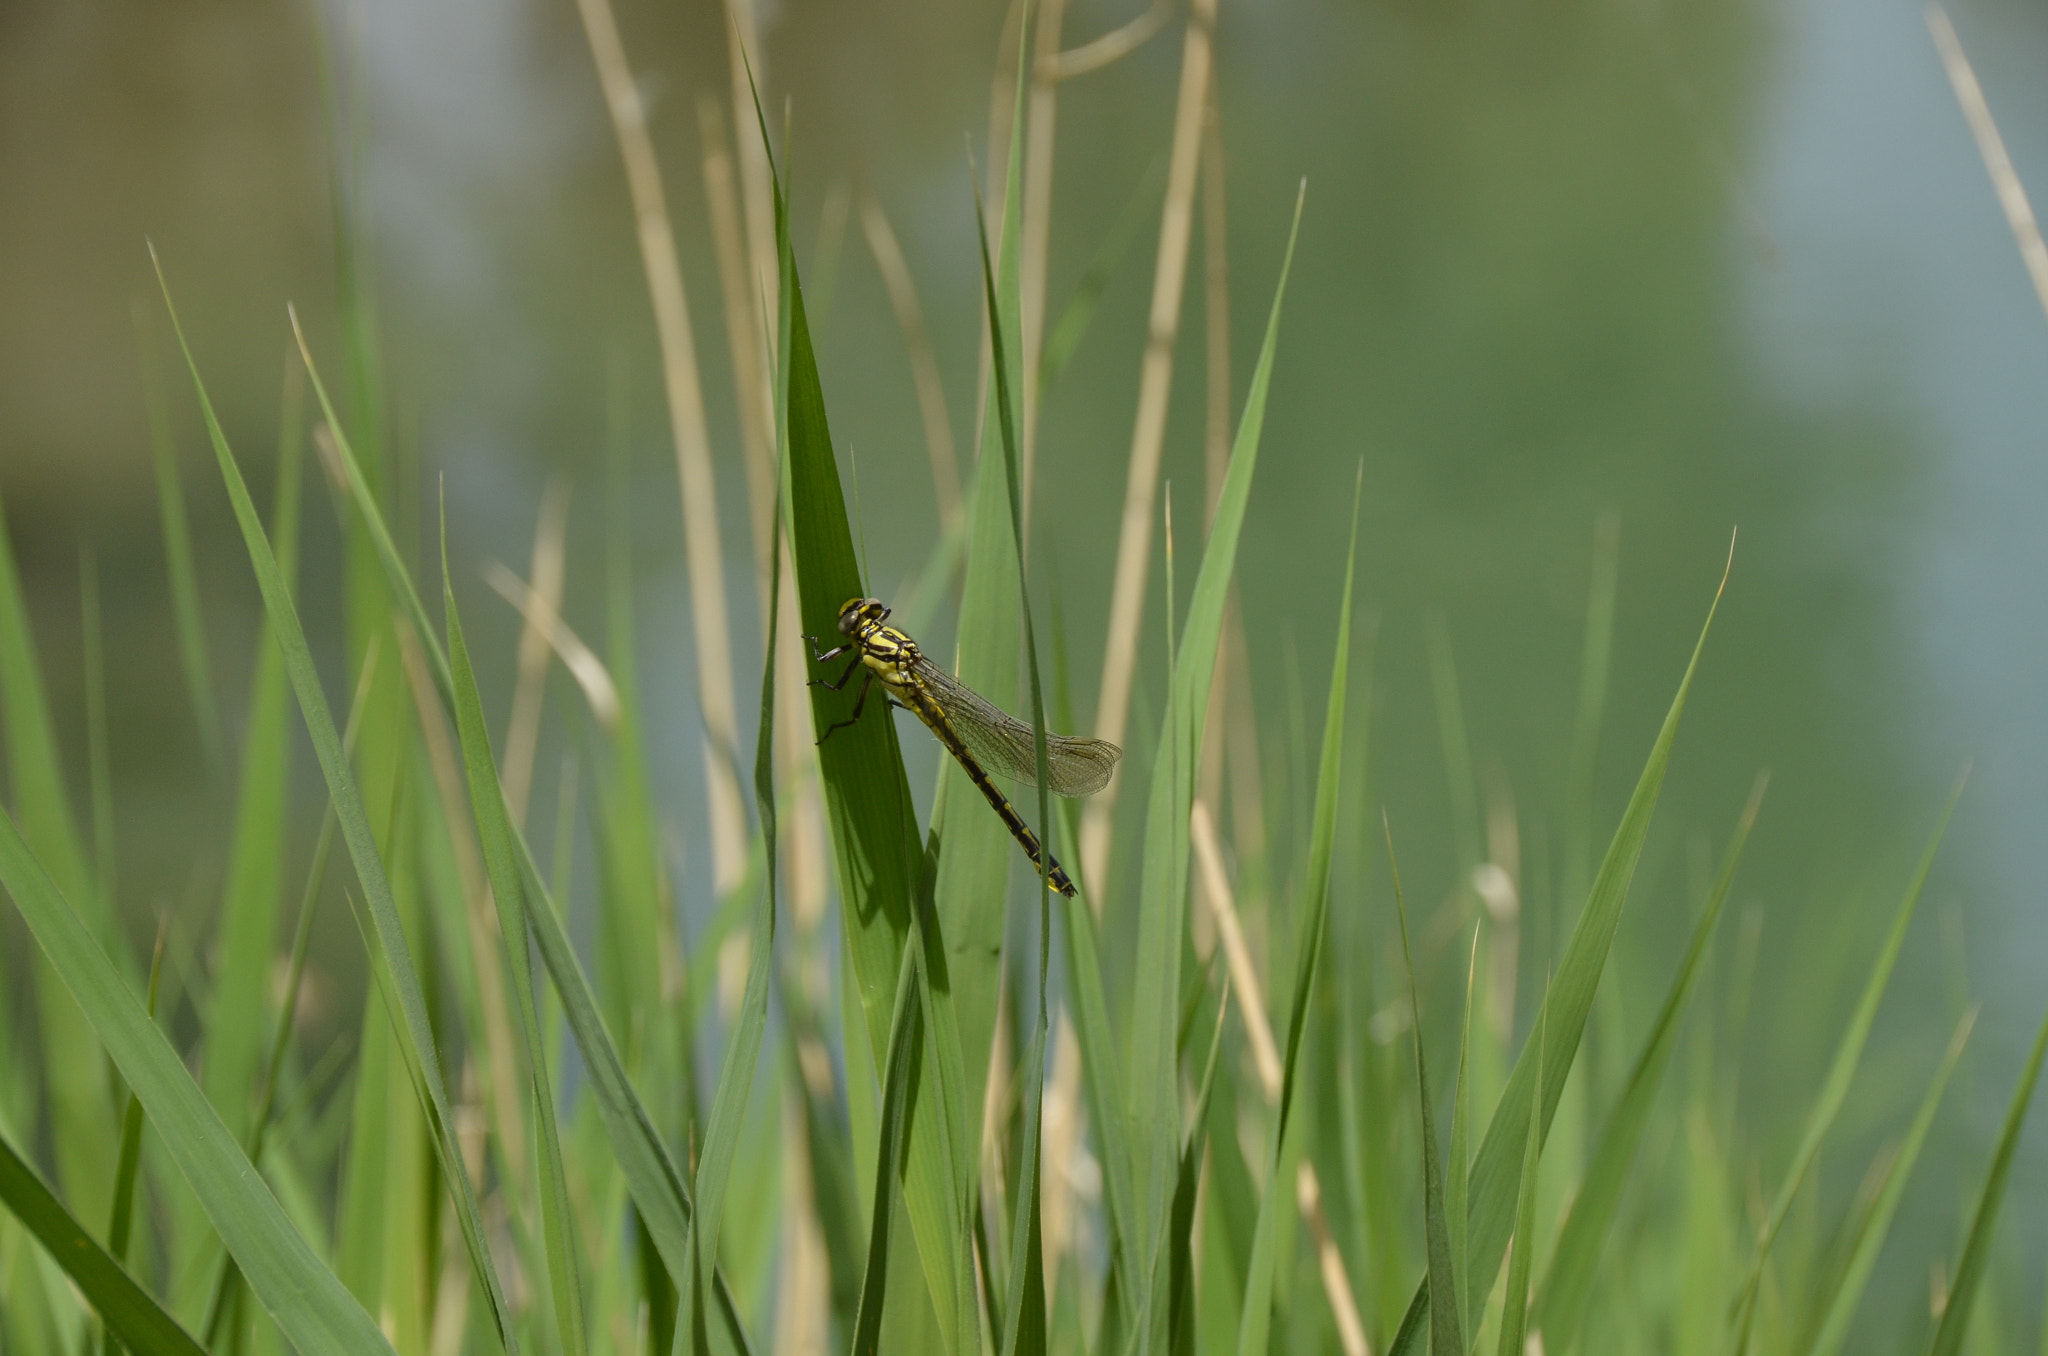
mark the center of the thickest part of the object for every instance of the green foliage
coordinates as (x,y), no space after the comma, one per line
(499,1155)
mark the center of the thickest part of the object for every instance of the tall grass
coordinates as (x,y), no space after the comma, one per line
(1115,1124)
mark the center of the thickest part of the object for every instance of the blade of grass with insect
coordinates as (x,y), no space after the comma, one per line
(236,1012)
(1834,1089)
(736,1077)
(1568,1286)
(1152,1097)
(1278,1209)
(1538,1078)
(309,1304)
(391,954)
(1971,1267)
(130,1314)
(1832,1328)
(884,889)
(1446,1322)
(494,834)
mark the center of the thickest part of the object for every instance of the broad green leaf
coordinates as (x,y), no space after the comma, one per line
(884,886)
(1573,1264)
(125,1307)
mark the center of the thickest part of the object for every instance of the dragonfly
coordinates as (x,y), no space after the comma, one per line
(971,727)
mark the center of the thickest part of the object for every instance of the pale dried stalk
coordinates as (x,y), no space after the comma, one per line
(1148,437)
(744,333)
(1035,212)
(478,916)
(544,618)
(1244,977)
(802,1285)
(692,440)
(924,365)
(2005,180)
(522,735)
(1112,46)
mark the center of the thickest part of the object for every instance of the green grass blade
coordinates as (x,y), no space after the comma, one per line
(1515,1311)
(884,888)
(1971,1266)
(1833,1329)
(1537,1081)
(1152,1095)
(1277,1210)
(900,1055)
(1446,1320)
(1574,1263)
(494,835)
(251,896)
(1088,1004)
(125,1307)
(391,952)
(316,1313)
(1834,1089)
(190,617)
(1065,334)
(736,1077)
(1459,1156)
(128,1170)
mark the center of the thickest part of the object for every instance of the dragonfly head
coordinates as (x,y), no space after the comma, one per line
(860,613)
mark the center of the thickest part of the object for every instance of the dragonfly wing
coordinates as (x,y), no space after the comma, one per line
(1003,744)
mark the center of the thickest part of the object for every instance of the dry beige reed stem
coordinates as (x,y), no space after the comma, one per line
(1112,46)
(692,439)
(545,618)
(1244,977)
(924,365)
(1035,213)
(522,734)
(1148,436)
(745,334)
(2005,181)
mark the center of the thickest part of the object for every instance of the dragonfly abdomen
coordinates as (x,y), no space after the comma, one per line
(923,706)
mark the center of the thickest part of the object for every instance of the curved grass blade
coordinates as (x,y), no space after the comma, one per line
(1834,1089)
(314,1310)
(1870,1234)
(1152,1100)
(1537,1081)
(129,1312)
(391,955)
(736,1077)
(1573,1264)
(884,886)
(1970,1267)
(494,836)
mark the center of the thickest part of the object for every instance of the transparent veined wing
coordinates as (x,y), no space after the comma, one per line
(1074,766)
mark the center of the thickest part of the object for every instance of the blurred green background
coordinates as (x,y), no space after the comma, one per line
(1695,265)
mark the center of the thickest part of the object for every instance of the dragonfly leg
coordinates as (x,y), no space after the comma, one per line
(840,685)
(858,702)
(832,653)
